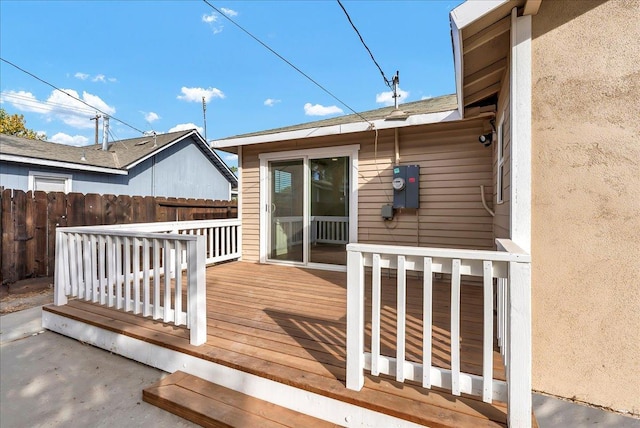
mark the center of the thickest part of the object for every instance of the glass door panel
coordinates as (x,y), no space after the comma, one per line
(286,211)
(329,213)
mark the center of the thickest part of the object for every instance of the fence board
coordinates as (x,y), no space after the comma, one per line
(40,233)
(28,222)
(7,237)
(93,209)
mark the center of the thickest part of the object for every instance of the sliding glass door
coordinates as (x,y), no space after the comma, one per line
(308,209)
(286,210)
(329,213)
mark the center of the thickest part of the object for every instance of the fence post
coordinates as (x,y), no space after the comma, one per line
(519,345)
(355,320)
(197,291)
(60,283)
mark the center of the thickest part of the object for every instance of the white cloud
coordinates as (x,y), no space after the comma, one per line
(320,110)
(426,97)
(151,117)
(81,76)
(112,79)
(230,157)
(386,98)
(196,94)
(76,140)
(186,126)
(229,12)
(270,102)
(212,20)
(60,106)
(99,78)
(24,101)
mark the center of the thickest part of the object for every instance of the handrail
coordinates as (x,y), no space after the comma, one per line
(145,268)
(511,269)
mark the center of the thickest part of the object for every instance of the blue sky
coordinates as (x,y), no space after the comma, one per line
(150,63)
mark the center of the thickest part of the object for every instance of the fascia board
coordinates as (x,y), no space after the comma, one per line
(470,11)
(59,164)
(418,119)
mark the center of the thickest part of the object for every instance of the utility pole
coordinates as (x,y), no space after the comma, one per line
(396,81)
(105,133)
(96,119)
(204,114)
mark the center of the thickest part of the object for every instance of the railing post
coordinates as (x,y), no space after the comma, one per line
(355,320)
(519,345)
(197,291)
(60,294)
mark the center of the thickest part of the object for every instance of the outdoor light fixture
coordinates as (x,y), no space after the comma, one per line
(486,139)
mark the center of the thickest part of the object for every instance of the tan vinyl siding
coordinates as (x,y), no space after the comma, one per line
(453,165)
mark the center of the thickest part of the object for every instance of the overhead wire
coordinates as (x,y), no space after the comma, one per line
(288,62)
(68,94)
(386,81)
(22,100)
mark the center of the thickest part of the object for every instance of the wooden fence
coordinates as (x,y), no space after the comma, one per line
(29,220)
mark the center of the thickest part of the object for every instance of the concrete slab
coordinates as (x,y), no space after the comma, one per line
(48,380)
(555,413)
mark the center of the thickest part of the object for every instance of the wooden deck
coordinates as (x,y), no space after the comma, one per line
(288,324)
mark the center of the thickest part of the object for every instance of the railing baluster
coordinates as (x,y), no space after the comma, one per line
(455,326)
(88,277)
(355,320)
(487,347)
(95,273)
(166,267)
(401,319)
(156,279)
(73,264)
(111,268)
(102,268)
(375,315)
(119,276)
(136,275)
(427,320)
(146,282)
(127,274)
(178,279)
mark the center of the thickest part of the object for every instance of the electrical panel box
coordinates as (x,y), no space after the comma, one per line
(406,186)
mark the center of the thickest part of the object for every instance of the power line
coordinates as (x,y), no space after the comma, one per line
(285,60)
(386,81)
(68,94)
(22,100)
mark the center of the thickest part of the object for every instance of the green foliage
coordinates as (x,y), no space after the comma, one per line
(14,124)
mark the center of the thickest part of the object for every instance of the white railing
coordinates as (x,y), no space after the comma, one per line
(512,269)
(149,269)
(289,228)
(329,230)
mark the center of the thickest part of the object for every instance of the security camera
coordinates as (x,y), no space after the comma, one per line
(486,139)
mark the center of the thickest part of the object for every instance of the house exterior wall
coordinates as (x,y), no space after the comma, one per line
(179,171)
(586,202)
(453,165)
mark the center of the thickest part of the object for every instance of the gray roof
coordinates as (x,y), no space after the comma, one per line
(121,155)
(431,105)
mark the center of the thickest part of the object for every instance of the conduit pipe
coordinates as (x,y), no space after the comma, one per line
(397,147)
(484,202)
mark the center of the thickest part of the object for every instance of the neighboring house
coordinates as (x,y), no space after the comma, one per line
(177,164)
(559,83)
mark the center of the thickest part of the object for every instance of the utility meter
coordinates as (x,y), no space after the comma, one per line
(398,183)
(406,186)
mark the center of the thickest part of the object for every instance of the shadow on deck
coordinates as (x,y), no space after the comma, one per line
(288,325)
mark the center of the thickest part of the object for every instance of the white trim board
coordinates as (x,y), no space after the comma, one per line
(316,405)
(60,164)
(345,128)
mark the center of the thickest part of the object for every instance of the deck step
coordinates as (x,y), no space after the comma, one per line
(211,405)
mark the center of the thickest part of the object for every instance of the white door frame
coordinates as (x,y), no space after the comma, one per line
(326,152)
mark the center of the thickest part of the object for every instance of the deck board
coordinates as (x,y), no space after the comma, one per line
(288,324)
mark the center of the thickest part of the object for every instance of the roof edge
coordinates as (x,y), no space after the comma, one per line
(418,119)
(60,164)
